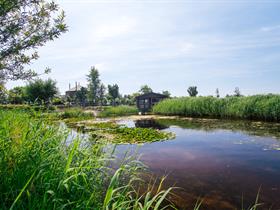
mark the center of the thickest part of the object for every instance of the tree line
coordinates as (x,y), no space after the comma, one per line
(96,93)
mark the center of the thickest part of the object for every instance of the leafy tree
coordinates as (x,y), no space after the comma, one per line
(2,92)
(113,92)
(145,89)
(217,93)
(237,92)
(81,96)
(166,93)
(17,95)
(40,91)
(93,85)
(192,90)
(101,95)
(26,25)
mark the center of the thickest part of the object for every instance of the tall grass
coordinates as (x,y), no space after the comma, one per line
(118,111)
(77,113)
(258,107)
(38,170)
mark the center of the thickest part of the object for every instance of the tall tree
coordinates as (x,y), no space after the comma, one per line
(145,89)
(81,96)
(26,25)
(237,92)
(217,93)
(113,92)
(40,91)
(192,90)
(166,93)
(101,94)
(93,85)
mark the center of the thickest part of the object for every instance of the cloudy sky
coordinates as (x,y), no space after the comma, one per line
(169,45)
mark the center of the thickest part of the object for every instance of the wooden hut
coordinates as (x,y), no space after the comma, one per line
(146,101)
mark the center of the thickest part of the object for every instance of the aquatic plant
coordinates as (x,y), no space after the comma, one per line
(118,111)
(139,135)
(257,107)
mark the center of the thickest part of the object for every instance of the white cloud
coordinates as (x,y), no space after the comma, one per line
(114,28)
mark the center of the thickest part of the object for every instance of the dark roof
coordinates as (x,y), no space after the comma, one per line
(152,94)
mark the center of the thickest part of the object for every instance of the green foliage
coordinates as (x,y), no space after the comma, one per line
(113,93)
(192,91)
(166,93)
(40,91)
(81,96)
(237,92)
(118,111)
(145,89)
(93,85)
(258,107)
(75,113)
(25,26)
(38,170)
(139,135)
(17,95)
(129,100)
(3,96)
(101,95)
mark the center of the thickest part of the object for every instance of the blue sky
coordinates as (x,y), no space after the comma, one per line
(169,45)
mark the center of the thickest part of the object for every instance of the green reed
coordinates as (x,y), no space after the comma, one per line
(257,107)
(39,169)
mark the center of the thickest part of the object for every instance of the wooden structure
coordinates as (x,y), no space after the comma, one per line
(146,101)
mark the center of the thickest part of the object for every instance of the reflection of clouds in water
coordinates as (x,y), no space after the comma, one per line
(218,164)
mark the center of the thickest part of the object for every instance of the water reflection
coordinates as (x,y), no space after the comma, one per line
(150,123)
(224,162)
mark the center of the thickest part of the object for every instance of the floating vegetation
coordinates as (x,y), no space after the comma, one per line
(139,135)
(121,134)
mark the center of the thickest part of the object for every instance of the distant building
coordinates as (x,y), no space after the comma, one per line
(72,91)
(146,101)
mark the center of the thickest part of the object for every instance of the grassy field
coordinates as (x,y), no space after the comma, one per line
(118,111)
(258,107)
(38,170)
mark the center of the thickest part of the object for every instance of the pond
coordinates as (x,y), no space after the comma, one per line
(223,162)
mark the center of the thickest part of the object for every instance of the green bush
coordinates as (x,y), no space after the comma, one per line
(258,107)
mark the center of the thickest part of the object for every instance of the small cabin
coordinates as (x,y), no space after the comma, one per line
(146,101)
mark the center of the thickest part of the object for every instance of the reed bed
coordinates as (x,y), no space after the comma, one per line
(39,170)
(257,107)
(118,111)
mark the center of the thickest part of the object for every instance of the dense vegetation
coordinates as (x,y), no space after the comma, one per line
(258,107)
(38,170)
(118,111)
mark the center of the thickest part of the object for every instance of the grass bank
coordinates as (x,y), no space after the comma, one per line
(258,107)
(118,111)
(38,170)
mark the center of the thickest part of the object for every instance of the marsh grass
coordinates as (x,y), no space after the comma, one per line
(75,113)
(258,107)
(118,111)
(39,171)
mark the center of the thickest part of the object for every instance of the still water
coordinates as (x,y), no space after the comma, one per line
(223,162)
